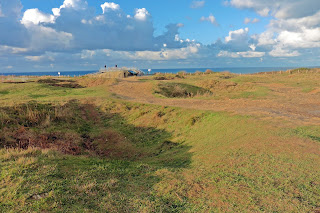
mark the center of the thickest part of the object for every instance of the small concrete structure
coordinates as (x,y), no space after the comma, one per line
(120,72)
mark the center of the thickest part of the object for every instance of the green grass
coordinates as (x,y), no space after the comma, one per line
(179,90)
(101,154)
(258,93)
(307,89)
(312,132)
(214,162)
(120,176)
(20,93)
(4,92)
(244,166)
(48,181)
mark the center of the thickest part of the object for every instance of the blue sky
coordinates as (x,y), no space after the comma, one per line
(177,11)
(85,35)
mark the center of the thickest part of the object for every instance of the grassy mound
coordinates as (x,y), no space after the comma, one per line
(217,85)
(72,128)
(161,76)
(77,157)
(76,129)
(60,83)
(178,90)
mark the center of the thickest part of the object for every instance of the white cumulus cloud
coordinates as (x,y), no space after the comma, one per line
(35,16)
(279,9)
(210,19)
(110,6)
(165,54)
(240,34)
(247,54)
(249,20)
(197,4)
(75,4)
(141,14)
(279,51)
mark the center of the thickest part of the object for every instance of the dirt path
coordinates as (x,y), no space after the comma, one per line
(288,103)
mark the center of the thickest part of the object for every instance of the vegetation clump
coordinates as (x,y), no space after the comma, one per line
(178,90)
(198,73)
(182,73)
(161,76)
(60,83)
(226,75)
(217,85)
(208,71)
(72,128)
(4,92)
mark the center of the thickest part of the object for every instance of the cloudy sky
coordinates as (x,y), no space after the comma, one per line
(51,35)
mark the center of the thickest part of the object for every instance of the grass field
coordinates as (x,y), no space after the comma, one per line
(105,147)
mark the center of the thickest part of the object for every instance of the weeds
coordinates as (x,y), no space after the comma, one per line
(44,126)
(160,77)
(4,92)
(217,85)
(74,128)
(60,83)
(312,132)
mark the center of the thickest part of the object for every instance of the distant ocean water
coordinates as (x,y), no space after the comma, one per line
(64,73)
(238,70)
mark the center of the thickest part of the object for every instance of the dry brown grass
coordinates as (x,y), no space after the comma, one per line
(198,73)
(66,83)
(114,145)
(274,97)
(161,76)
(217,85)
(238,163)
(111,74)
(208,71)
(69,130)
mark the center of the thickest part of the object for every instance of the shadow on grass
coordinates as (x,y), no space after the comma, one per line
(156,144)
(103,161)
(78,129)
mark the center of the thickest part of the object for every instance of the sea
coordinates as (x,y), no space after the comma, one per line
(237,70)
